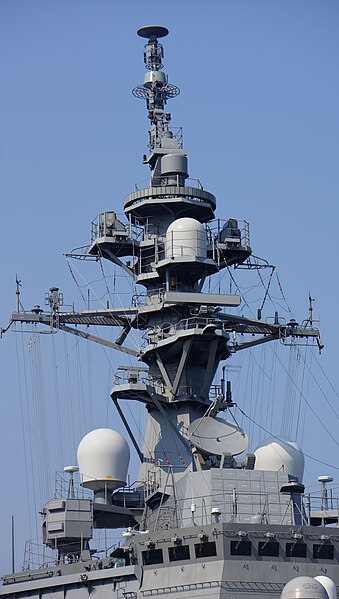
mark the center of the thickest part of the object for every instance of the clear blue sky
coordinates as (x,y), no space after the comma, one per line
(259,106)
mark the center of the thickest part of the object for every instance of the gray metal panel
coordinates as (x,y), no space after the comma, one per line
(208,299)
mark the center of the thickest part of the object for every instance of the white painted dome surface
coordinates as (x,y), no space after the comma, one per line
(304,587)
(186,237)
(329,585)
(103,459)
(284,456)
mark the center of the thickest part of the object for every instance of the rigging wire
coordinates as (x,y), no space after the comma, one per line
(267,288)
(307,393)
(326,377)
(103,274)
(24,434)
(98,298)
(293,387)
(308,404)
(81,397)
(39,411)
(57,402)
(283,295)
(105,352)
(286,443)
(89,385)
(69,393)
(288,399)
(300,398)
(30,436)
(322,391)
(271,394)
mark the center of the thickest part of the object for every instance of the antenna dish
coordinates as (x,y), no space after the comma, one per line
(152,32)
(217,436)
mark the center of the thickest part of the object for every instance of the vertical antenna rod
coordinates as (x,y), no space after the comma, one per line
(13,546)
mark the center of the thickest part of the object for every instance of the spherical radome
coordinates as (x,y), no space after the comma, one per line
(278,455)
(304,587)
(103,459)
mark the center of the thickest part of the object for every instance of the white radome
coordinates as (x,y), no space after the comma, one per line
(285,456)
(186,237)
(103,458)
(304,587)
(329,585)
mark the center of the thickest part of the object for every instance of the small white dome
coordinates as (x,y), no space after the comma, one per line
(186,237)
(276,455)
(304,587)
(103,459)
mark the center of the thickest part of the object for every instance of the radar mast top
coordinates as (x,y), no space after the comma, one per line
(156,90)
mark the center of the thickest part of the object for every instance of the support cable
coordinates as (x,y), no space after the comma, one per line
(30,436)
(57,403)
(270,434)
(24,433)
(309,405)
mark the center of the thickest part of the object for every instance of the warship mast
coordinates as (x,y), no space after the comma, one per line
(185,336)
(173,243)
(223,515)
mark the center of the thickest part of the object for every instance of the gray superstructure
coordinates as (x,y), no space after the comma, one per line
(207,518)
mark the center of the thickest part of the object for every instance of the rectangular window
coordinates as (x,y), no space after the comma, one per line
(268,549)
(241,547)
(178,552)
(323,551)
(296,549)
(205,549)
(152,556)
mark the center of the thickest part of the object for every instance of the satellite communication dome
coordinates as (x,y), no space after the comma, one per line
(186,237)
(103,459)
(304,587)
(276,455)
(329,585)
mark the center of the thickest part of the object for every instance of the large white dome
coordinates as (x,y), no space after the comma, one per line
(186,237)
(103,459)
(276,455)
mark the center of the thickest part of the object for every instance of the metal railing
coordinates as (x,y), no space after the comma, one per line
(215,227)
(189,182)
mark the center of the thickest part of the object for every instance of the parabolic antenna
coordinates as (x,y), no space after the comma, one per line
(152,31)
(217,436)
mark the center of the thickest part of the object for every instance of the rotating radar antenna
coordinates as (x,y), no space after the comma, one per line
(155,90)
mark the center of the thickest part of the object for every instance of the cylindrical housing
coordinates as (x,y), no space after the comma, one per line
(186,237)
(103,459)
(154,77)
(174,164)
